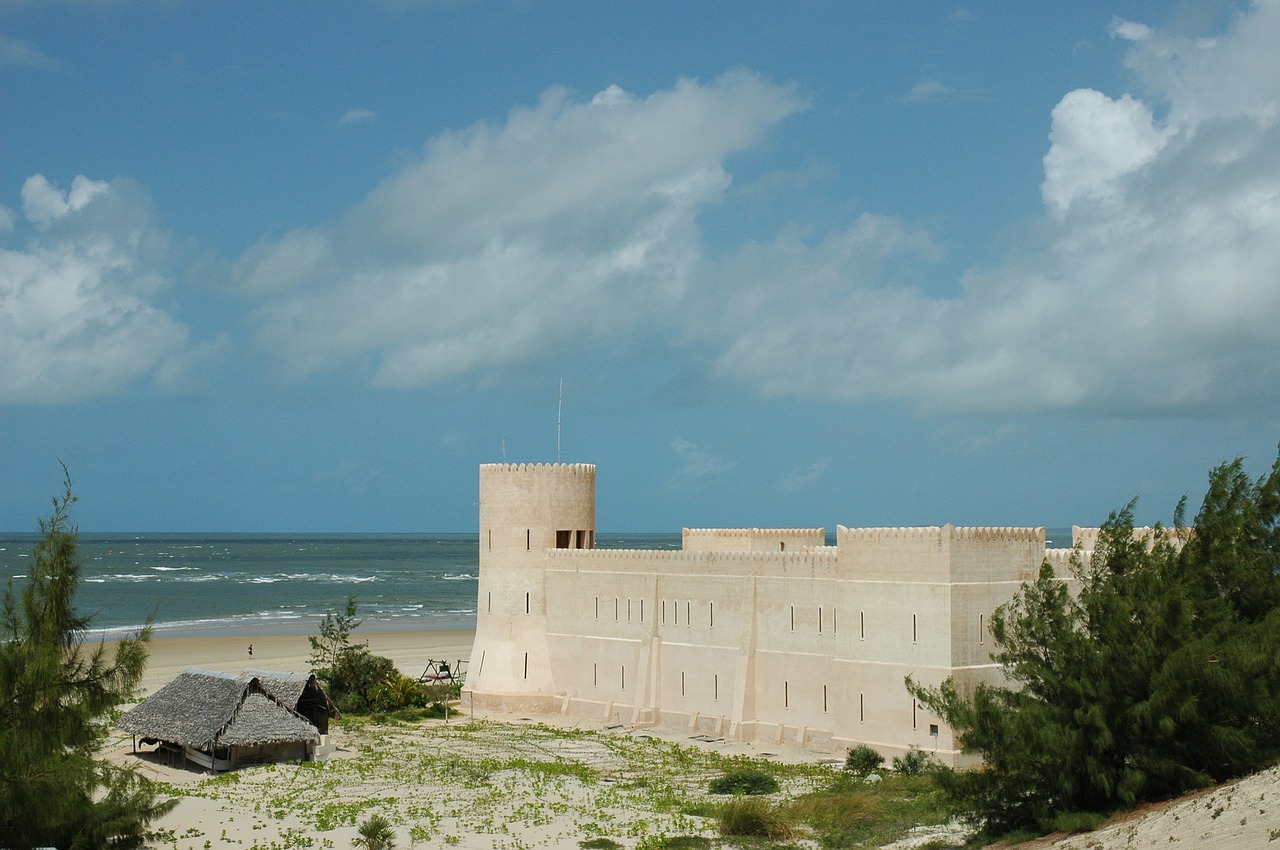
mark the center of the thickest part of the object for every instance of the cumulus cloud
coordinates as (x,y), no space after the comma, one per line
(1094,141)
(569,224)
(1151,288)
(571,228)
(44,203)
(76,318)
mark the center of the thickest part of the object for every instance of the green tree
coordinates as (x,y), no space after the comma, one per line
(56,699)
(1158,674)
(350,672)
(335,636)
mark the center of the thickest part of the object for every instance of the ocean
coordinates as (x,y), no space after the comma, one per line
(200,584)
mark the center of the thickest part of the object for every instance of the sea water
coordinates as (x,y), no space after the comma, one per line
(195,584)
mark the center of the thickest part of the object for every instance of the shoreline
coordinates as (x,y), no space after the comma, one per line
(267,626)
(228,652)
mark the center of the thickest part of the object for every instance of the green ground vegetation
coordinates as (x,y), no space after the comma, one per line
(438,782)
(1156,673)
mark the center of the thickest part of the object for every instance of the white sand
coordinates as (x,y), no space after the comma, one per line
(470,785)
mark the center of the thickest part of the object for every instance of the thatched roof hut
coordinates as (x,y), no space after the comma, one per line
(220,719)
(300,691)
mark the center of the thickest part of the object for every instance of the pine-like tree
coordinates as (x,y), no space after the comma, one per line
(56,699)
(1158,674)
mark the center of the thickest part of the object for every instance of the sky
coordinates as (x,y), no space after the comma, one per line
(284,268)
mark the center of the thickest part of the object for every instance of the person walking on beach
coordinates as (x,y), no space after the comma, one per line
(250,650)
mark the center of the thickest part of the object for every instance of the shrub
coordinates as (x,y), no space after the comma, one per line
(743,782)
(863,760)
(750,816)
(355,677)
(913,762)
(375,834)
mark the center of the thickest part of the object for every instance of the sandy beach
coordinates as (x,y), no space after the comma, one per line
(229,653)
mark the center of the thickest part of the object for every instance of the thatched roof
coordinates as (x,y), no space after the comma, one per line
(289,687)
(202,709)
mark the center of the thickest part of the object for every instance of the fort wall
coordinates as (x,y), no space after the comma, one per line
(748,634)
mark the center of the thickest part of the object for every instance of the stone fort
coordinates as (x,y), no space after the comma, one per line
(766,635)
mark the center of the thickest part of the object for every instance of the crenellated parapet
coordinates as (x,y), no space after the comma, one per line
(562,469)
(824,560)
(1087,539)
(945,553)
(1060,560)
(752,539)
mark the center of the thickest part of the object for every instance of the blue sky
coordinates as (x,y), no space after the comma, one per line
(797,264)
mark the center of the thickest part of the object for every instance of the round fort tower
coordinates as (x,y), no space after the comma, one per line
(525,510)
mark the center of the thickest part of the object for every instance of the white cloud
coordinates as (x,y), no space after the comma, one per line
(42,202)
(1094,141)
(696,462)
(936,91)
(1152,289)
(1130,30)
(359,116)
(571,229)
(76,321)
(570,224)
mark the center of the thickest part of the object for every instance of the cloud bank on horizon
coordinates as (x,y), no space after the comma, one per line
(571,229)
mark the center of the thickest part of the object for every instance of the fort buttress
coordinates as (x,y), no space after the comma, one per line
(763,635)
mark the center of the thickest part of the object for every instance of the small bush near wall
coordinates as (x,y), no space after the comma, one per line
(743,782)
(862,760)
(913,762)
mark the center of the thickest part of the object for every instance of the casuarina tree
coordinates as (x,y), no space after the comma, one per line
(57,695)
(1150,671)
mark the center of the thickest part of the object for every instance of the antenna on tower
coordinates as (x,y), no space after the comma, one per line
(559,411)
(504,448)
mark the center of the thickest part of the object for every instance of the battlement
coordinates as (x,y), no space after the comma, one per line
(696,562)
(936,533)
(1060,560)
(568,469)
(752,539)
(756,532)
(944,553)
(1087,538)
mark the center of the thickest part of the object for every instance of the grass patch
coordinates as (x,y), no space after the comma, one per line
(600,843)
(1073,822)
(685,842)
(751,816)
(848,813)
